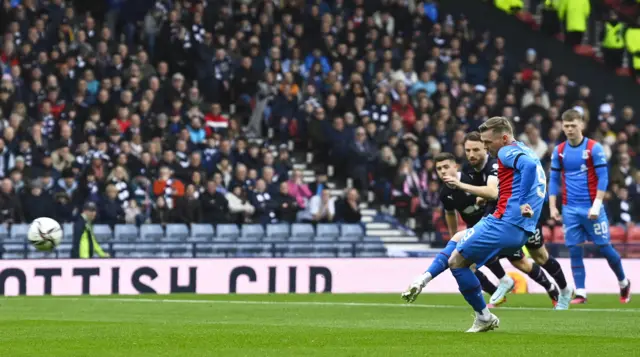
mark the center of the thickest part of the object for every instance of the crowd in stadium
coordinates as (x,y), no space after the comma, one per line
(150,108)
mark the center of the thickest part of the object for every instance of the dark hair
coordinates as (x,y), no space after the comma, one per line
(444,156)
(497,125)
(571,115)
(472,136)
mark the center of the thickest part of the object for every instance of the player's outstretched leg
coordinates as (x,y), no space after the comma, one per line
(579,274)
(439,264)
(506,284)
(469,286)
(551,265)
(613,258)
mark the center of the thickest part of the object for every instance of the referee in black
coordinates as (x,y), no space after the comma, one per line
(85,244)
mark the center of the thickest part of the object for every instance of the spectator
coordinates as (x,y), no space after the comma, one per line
(348,209)
(110,209)
(188,208)
(239,208)
(298,189)
(10,206)
(215,207)
(37,202)
(321,209)
(168,187)
(264,204)
(623,210)
(161,213)
(361,154)
(286,206)
(119,178)
(623,173)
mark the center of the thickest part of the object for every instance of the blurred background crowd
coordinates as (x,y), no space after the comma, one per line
(194,111)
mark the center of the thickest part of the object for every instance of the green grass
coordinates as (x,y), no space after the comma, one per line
(309,325)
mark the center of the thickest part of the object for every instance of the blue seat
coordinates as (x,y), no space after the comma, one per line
(15,250)
(64,250)
(227,232)
(277,232)
(67,231)
(201,233)
(4,233)
(18,232)
(254,250)
(215,250)
(125,232)
(301,232)
(329,249)
(295,250)
(251,232)
(327,232)
(372,249)
(351,232)
(177,250)
(102,232)
(177,232)
(151,232)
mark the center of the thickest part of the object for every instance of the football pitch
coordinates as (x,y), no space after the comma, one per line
(309,325)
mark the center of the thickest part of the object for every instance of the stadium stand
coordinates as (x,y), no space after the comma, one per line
(276,128)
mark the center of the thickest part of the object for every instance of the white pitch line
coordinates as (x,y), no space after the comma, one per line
(326,303)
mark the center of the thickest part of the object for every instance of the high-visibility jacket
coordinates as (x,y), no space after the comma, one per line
(84,241)
(632,40)
(613,38)
(551,4)
(508,6)
(575,14)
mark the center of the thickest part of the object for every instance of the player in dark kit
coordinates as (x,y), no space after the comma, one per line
(472,193)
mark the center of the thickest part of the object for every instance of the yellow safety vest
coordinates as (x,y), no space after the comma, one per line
(575,14)
(613,36)
(507,5)
(632,40)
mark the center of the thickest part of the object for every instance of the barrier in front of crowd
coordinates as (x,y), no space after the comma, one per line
(251,276)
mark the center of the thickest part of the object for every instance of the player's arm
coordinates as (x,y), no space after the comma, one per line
(527,167)
(554,184)
(490,191)
(602,173)
(451,217)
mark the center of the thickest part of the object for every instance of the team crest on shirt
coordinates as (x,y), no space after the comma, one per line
(585,154)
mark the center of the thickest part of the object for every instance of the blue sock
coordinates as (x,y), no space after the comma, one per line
(469,286)
(577,266)
(614,260)
(441,261)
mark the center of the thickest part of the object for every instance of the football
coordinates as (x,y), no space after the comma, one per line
(45,234)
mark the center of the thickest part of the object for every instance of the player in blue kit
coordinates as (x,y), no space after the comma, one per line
(579,174)
(521,193)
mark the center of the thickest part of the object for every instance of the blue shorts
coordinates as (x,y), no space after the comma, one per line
(578,228)
(491,237)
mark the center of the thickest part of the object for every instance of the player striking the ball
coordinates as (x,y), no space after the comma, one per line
(579,174)
(462,192)
(522,189)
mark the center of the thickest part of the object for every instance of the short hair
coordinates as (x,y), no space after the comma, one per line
(472,136)
(571,115)
(497,125)
(444,156)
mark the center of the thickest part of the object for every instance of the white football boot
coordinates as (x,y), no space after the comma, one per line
(484,326)
(564,299)
(505,286)
(413,291)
